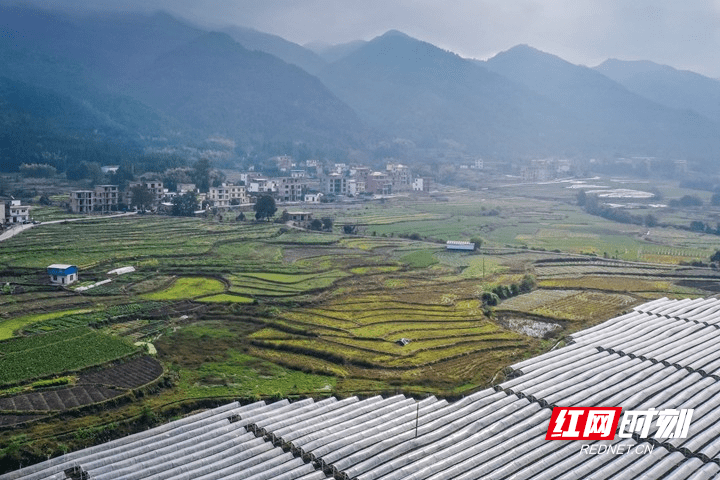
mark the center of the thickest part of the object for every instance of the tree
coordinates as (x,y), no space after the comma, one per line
(697,226)
(264,207)
(184,205)
(38,170)
(316,225)
(173,176)
(141,198)
(581,198)
(327,223)
(650,220)
(201,174)
(715,256)
(122,176)
(477,241)
(285,216)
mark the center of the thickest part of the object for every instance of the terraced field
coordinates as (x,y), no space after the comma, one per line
(244,309)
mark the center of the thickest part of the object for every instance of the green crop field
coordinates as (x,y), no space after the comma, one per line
(41,355)
(188,287)
(257,310)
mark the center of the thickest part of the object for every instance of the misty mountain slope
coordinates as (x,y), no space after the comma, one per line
(50,52)
(156,76)
(414,90)
(287,51)
(219,87)
(109,47)
(620,119)
(666,85)
(38,125)
(333,53)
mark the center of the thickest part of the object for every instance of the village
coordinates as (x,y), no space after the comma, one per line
(301,183)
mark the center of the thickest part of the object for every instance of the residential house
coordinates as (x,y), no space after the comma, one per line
(104,198)
(283,162)
(422,184)
(182,188)
(335,184)
(81,201)
(379,183)
(260,185)
(15,212)
(399,175)
(227,194)
(61,274)
(290,189)
(300,216)
(154,186)
(312,197)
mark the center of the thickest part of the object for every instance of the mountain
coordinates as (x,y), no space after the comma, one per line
(288,51)
(42,126)
(333,53)
(667,86)
(416,91)
(216,86)
(610,117)
(153,76)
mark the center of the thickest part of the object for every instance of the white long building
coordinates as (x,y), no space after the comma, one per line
(664,354)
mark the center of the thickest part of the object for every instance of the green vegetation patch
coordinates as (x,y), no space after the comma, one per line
(188,287)
(7,327)
(97,315)
(226,298)
(420,259)
(72,349)
(372,270)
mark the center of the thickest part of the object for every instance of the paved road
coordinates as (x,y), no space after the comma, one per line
(21,228)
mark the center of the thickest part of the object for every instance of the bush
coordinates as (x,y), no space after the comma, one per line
(527,283)
(489,298)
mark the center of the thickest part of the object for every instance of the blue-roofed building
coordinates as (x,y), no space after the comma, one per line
(61,274)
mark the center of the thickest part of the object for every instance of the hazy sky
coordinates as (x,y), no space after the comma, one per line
(681,33)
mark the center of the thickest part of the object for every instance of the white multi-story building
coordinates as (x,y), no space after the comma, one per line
(335,184)
(422,184)
(15,212)
(227,194)
(260,185)
(290,189)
